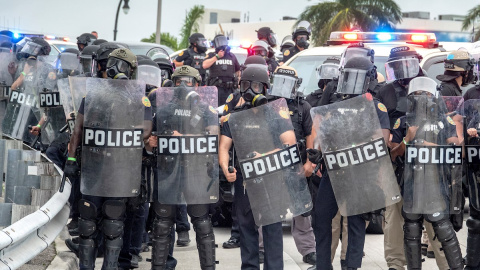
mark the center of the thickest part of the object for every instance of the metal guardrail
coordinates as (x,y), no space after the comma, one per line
(26,238)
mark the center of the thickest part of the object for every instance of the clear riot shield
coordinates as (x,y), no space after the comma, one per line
(356,156)
(472,150)
(454,107)
(270,162)
(112,138)
(187,130)
(78,88)
(433,165)
(6,79)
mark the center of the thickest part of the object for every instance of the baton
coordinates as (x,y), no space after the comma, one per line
(62,184)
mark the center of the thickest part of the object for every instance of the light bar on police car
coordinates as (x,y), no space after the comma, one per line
(342,37)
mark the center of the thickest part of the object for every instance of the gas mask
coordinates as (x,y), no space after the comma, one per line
(184,93)
(118,69)
(302,42)
(253,93)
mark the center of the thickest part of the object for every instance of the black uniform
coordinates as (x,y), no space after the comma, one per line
(394,96)
(287,54)
(222,75)
(272,64)
(472,93)
(314,98)
(193,59)
(450,88)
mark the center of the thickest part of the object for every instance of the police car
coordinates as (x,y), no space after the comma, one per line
(239,52)
(433,53)
(59,44)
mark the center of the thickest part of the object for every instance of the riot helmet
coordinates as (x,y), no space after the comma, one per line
(357,50)
(84,40)
(255,61)
(199,41)
(166,66)
(102,55)
(357,76)
(98,42)
(88,60)
(186,76)
(36,46)
(254,84)
(458,63)
(285,82)
(423,84)
(6,47)
(287,43)
(68,63)
(301,34)
(149,72)
(328,71)
(121,64)
(265,33)
(260,48)
(403,63)
(220,42)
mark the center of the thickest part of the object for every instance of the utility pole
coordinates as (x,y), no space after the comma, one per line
(159,21)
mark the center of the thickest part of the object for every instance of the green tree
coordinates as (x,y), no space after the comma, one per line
(345,15)
(469,20)
(165,39)
(190,24)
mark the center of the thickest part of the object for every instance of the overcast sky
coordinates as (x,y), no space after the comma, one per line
(73,17)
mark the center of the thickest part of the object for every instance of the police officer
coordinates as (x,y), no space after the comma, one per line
(286,78)
(88,60)
(183,77)
(255,83)
(287,43)
(325,205)
(440,129)
(458,72)
(327,72)
(102,213)
(102,55)
(224,68)
(261,48)
(194,55)
(85,40)
(301,35)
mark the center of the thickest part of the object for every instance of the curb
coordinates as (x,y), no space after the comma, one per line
(65,259)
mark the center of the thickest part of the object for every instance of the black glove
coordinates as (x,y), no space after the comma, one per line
(457,221)
(71,169)
(314,155)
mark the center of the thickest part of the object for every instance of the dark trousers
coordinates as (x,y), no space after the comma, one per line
(272,235)
(235,233)
(181,219)
(132,237)
(325,210)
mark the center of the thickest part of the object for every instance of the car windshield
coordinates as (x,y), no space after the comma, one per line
(241,57)
(306,67)
(63,47)
(143,49)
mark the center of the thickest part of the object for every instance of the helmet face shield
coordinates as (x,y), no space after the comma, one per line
(404,68)
(258,65)
(69,61)
(354,52)
(220,41)
(353,81)
(121,65)
(422,84)
(283,86)
(202,42)
(328,71)
(187,80)
(150,75)
(31,48)
(86,62)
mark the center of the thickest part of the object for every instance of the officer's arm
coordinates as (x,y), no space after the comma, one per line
(454,140)
(207,63)
(147,128)
(386,135)
(177,64)
(77,137)
(223,148)
(398,149)
(288,137)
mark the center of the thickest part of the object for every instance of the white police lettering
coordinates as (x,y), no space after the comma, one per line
(181,112)
(264,165)
(399,49)
(286,71)
(94,137)
(343,110)
(356,155)
(473,154)
(433,128)
(198,57)
(224,62)
(23,98)
(434,155)
(6,91)
(50,99)
(175,145)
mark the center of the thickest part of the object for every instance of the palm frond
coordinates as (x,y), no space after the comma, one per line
(165,39)
(190,24)
(472,15)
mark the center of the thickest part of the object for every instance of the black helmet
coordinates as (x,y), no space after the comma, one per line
(357,50)
(142,57)
(90,50)
(357,76)
(267,34)
(71,50)
(254,84)
(105,49)
(328,70)
(199,41)
(99,41)
(36,46)
(403,63)
(88,60)
(86,39)
(166,66)
(220,42)
(149,72)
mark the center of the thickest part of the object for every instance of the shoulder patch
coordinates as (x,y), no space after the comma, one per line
(284,113)
(286,53)
(226,118)
(225,108)
(212,109)
(181,53)
(397,124)
(52,75)
(450,120)
(382,107)
(146,102)
(229,98)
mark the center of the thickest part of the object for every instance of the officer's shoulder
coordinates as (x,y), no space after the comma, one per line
(286,52)
(184,52)
(379,105)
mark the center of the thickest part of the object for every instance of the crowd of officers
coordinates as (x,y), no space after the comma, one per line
(119,228)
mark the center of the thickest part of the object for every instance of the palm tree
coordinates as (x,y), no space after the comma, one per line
(190,24)
(345,15)
(165,39)
(469,20)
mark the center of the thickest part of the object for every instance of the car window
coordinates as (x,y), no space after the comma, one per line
(241,57)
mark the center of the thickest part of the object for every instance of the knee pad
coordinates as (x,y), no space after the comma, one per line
(444,230)
(86,227)
(114,209)
(112,228)
(203,226)
(473,225)
(412,230)
(436,218)
(197,210)
(162,227)
(412,217)
(164,210)
(87,209)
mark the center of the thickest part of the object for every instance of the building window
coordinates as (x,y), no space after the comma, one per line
(213,17)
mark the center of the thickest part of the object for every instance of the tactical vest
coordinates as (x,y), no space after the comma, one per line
(296,115)
(195,60)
